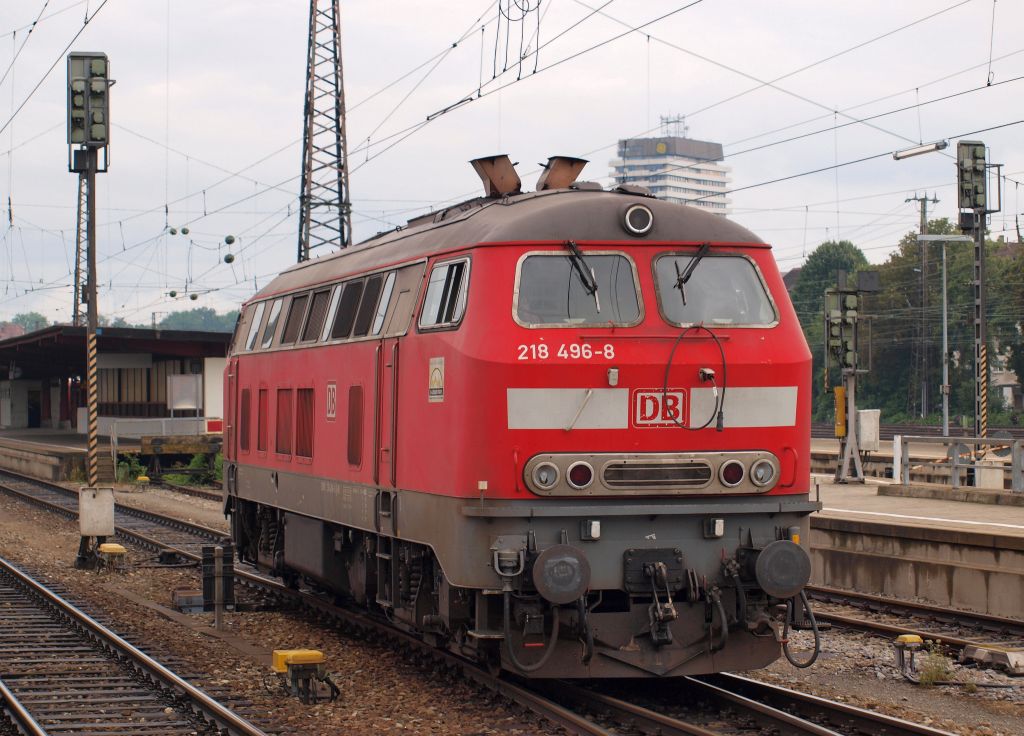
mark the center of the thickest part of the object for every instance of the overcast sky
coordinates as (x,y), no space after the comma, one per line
(208,89)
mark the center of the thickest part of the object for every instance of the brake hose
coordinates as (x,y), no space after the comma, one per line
(741,599)
(507,631)
(790,617)
(716,600)
(588,635)
(716,411)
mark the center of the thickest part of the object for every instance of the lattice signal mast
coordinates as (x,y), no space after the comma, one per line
(81,251)
(325,211)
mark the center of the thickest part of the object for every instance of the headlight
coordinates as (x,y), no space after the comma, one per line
(638,220)
(762,473)
(545,475)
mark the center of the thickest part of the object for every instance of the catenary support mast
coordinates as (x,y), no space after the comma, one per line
(325,211)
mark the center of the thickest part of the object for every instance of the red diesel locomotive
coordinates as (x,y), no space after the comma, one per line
(564,432)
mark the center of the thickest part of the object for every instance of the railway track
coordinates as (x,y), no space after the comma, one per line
(728,705)
(62,672)
(203,493)
(150,530)
(156,532)
(952,621)
(565,707)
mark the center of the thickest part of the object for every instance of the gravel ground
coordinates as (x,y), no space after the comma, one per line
(860,669)
(383,694)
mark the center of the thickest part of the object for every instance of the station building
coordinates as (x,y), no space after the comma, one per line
(143,373)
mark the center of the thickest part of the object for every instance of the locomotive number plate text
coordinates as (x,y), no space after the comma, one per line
(570,351)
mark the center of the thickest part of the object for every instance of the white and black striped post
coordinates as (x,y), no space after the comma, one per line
(92,446)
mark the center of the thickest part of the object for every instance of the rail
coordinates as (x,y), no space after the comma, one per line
(19,715)
(901,458)
(201,703)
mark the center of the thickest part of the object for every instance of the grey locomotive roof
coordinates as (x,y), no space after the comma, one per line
(555,215)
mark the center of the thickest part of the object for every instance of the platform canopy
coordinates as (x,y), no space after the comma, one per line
(60,350)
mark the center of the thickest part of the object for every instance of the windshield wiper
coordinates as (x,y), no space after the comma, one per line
(587,275)
(684,277)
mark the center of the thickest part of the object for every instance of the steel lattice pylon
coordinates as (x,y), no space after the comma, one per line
(325,211)
(81,250)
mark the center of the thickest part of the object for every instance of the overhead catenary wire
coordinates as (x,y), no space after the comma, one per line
(60,57)
(21,48)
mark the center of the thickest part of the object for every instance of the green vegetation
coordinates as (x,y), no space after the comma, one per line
(936,667)
(129,468)
(206,473)
(894,336)
(202,318)
(31,321)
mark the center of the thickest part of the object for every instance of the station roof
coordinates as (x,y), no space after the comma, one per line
(59,351)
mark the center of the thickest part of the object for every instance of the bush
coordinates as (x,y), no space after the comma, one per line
(202,475)
(937,667)
(129,469)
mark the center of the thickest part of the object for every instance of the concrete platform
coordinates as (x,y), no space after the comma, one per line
(943,492)
(50,454)
(967,556)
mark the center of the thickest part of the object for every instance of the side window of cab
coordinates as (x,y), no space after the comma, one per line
(445,300)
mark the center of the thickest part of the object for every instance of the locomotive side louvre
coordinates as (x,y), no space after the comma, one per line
(397,411)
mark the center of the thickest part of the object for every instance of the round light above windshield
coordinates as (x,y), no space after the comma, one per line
(638,220)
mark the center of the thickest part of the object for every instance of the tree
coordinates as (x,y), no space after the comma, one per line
(115,322)
(201,318)
(819,273)
(816,275)
(31,321)
(900,330)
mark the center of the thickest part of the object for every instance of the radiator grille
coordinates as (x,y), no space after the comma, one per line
(657,475)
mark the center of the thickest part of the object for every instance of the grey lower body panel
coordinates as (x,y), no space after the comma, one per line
(464,532)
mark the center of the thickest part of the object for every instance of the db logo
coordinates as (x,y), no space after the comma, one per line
(657,408)
(332,401)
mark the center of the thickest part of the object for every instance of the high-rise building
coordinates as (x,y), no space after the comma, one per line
(675,168)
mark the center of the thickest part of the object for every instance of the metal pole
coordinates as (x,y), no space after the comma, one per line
(80,248)
(924,309)
(92,456)
(980,332)
(945,348)
(218,588)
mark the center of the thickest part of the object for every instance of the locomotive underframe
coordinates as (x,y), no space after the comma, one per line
(371,545)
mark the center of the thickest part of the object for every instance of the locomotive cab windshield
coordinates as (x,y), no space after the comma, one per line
(552,293)
(726,290)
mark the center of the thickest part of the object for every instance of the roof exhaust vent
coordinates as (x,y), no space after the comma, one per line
(560,172)
(498,175)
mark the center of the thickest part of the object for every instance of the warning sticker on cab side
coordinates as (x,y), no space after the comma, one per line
(435,383)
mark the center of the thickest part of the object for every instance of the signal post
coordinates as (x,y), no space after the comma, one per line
(88,136)
(842,347)
(88,154)
(972,195)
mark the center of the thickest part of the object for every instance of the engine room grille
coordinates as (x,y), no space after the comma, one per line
(657,475)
